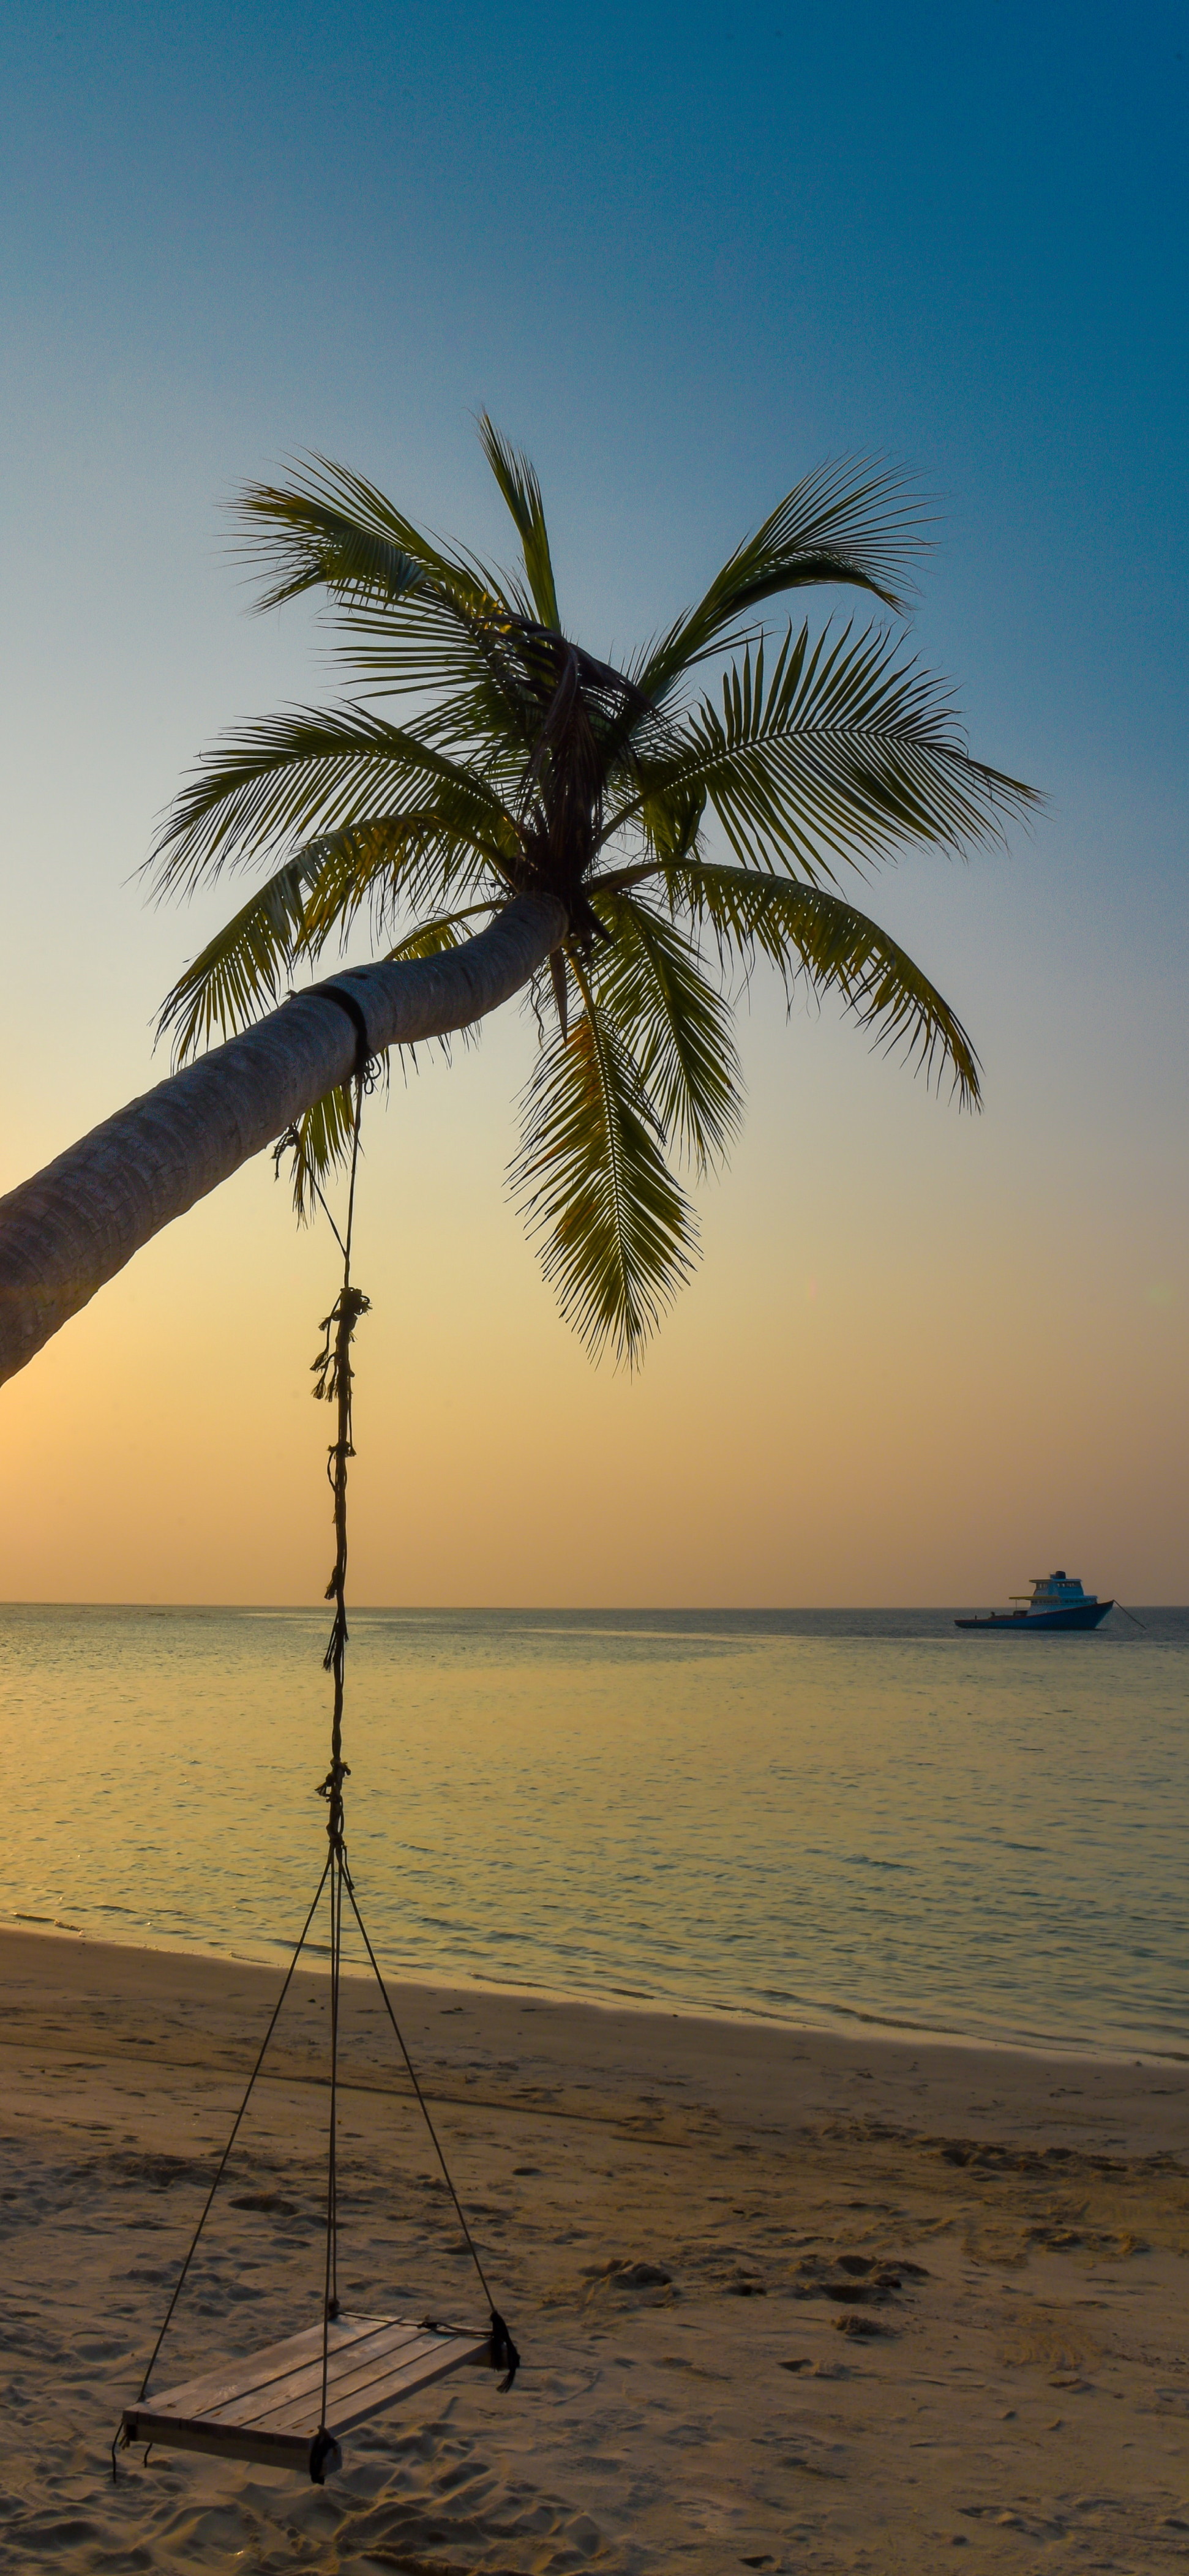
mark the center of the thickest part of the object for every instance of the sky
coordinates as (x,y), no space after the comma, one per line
(682,255)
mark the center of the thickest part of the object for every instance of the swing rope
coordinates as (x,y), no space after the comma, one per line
(237,2124)
(333,1374)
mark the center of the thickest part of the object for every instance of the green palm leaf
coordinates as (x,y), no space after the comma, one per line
(393,863)
(418,616)
(331,529)
(522,492)
(845,753)
(617,1233)
(246,967)
(676,1025)
(318,1144)
(306,770)
(846,522)
(811,936)
(241,971)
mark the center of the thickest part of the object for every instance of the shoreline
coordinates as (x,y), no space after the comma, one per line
(838,2022)
(641,2036)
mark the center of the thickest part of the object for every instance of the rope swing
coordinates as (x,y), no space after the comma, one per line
(288,2404)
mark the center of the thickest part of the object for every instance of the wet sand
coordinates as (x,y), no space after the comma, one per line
(786,2300)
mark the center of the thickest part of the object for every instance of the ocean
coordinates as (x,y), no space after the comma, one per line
(843,1818)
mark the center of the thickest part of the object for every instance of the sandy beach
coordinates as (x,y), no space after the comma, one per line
(785,2299)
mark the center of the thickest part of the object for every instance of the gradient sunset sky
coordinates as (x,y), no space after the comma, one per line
(682,255)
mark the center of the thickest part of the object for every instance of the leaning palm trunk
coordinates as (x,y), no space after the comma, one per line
(74,1225)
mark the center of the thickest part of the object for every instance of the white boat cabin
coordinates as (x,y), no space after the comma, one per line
(1059,1591)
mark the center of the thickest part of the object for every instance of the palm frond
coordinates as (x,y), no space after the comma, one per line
(417,617)
(318,1144)
(670,819)
(677,1027)
(846,752)
(813,937)
(850,521)
(522,492)
(241,971)
(308,770)
(394,864)
(331,529)
(616,1233)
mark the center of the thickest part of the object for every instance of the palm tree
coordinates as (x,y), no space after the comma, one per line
(636,840)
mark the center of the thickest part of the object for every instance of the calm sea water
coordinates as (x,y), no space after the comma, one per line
(812,1816)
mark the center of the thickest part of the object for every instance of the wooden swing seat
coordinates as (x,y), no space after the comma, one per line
(268,2407)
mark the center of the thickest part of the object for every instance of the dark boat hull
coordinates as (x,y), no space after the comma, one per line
(1012,1623)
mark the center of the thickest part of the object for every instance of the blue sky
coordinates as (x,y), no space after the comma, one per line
(681,255)
(679,252)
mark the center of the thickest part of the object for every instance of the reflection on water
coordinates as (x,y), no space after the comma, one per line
(809,1815)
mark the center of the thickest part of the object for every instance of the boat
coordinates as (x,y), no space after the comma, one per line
(1055,1601)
